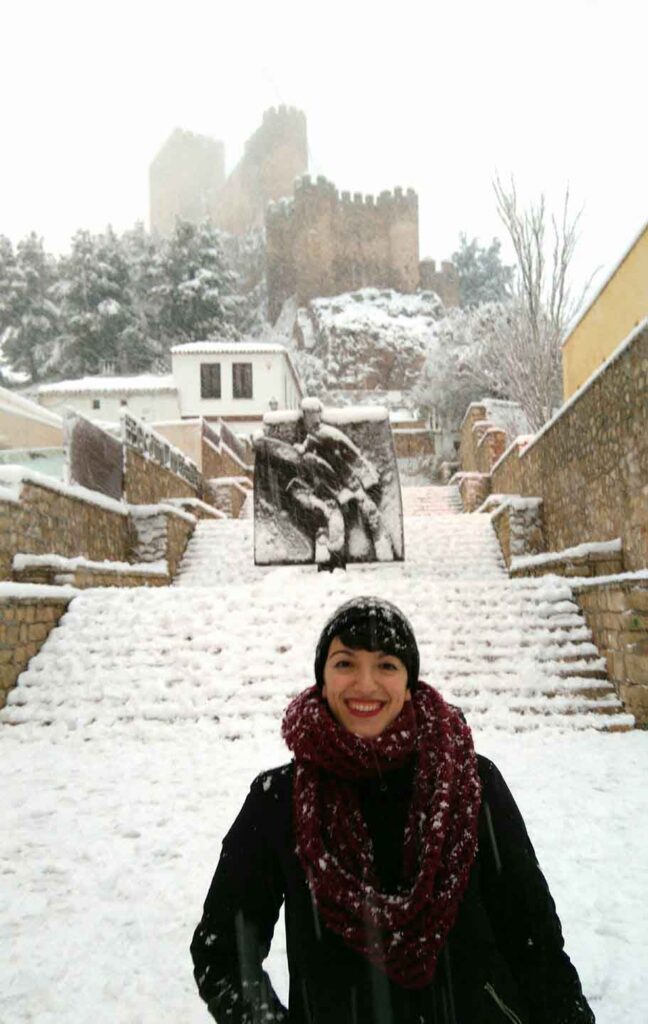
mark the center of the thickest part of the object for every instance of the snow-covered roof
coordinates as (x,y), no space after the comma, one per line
(105,385)
(228,347)
(13,403)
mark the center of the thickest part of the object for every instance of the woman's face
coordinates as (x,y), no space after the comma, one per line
(365,690)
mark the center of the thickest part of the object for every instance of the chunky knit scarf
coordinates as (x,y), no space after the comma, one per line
(402,933)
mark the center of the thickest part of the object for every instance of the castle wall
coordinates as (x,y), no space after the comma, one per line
(187,177)
(445,282)
(324,243)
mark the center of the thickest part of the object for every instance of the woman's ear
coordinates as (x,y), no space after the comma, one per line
(324,691)
(408,694)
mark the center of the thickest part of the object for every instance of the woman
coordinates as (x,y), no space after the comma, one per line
(412,892)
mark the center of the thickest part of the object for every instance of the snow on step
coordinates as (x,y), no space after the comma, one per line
(229,644)
(425,501)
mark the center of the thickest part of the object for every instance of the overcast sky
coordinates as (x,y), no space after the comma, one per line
(437,97)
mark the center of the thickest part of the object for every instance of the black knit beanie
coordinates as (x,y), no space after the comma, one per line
(370,624)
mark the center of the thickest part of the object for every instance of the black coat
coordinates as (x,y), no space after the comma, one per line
(503,961)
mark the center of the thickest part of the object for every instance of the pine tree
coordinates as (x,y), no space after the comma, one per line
(482,275)
(195,292)
(28,314)
(102,328)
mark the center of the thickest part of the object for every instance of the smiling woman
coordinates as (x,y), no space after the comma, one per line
(411,888)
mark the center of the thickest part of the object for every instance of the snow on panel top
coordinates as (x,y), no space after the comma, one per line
(356,414)
(281,416)
(228,347)
(94,385)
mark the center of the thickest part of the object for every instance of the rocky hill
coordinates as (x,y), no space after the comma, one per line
(372,339)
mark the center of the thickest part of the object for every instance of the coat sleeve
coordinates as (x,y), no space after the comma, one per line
(239,915)
(523,914)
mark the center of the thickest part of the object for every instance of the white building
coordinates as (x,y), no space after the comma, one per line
(235,381)
(103,399)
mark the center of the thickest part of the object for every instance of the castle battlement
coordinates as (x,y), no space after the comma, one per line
(324,242)
(283,112)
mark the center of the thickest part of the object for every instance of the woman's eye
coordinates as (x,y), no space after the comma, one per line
(388,666)
(342,663)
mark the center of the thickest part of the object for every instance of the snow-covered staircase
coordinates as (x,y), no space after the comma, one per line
(229,643)
(429,501)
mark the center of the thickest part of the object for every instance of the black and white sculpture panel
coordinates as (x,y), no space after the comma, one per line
(326,488)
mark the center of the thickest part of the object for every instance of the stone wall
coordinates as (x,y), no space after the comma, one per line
(25,624)
(473,488)
(491,444)
(161,534)
(519,527)
(590,464)
(325,243)
(45,520)
(229,495)
(617,614)
(506,475)
(445,282)
(413,442)
(147,483)
(468,441)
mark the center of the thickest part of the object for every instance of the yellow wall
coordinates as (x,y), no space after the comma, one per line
(621,304)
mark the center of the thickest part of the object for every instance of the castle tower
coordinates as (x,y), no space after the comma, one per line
(274,156)
(184,179)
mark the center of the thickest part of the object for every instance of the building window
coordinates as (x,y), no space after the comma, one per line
(242,380)
(210,380)
(96,404)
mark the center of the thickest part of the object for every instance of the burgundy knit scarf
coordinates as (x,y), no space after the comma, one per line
(404,932)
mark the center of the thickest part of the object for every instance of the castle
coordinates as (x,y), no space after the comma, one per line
(187,177)
(318,242)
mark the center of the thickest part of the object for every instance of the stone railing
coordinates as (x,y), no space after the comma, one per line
(40,516)
(589,464)
(26,621)
(617,614)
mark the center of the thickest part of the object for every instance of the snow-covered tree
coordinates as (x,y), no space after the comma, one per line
(511,349)
(28,314)
(194,294)
(482,275)
(101,325)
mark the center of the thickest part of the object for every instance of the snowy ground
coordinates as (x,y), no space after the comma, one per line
(112,830)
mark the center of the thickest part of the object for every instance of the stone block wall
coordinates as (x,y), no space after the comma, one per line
(474,488)
(161,534)
(590,464)
(46,520)
(179,530)
(146,482)
(221,461)
(617,614)
(409,443)
(506,474)
(467,440)
(491,445)
(228,495)
(519,528)
(25,624)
